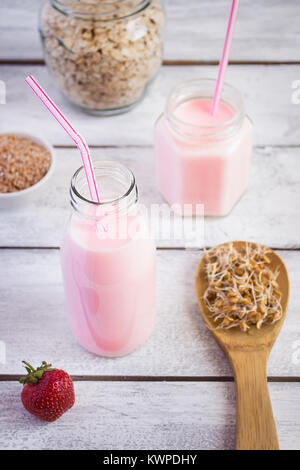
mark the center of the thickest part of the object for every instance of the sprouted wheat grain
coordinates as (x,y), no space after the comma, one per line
(242,289)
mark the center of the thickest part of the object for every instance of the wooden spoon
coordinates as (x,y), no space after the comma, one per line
(248,354)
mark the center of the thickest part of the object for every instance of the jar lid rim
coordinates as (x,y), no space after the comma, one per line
(71,7)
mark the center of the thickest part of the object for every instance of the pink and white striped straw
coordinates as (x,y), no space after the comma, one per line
(75,136)
(225,57)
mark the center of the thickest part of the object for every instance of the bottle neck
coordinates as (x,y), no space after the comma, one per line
(203,90)
(101,10)
(117,188)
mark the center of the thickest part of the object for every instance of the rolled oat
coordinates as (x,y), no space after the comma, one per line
(103,59)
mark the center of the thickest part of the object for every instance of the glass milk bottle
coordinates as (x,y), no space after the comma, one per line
(108,262)
(203,159)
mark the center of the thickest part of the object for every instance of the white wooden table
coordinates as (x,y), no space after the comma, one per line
(177,391)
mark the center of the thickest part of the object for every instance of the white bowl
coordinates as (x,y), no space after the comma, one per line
(25,196)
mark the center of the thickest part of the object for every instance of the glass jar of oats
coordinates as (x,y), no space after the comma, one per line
(103,54)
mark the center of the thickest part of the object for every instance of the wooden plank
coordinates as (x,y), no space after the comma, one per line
(34,325)
(268,213)
(144,416)
(277,121)
(266,31)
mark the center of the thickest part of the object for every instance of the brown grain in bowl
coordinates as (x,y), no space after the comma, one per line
(23,163)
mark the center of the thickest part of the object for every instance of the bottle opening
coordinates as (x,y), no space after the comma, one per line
(188,110)
(117,188)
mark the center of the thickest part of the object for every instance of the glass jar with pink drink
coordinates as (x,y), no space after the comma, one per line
(203,159)
(108,261)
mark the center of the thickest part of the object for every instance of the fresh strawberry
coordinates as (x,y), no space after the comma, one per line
(47,392)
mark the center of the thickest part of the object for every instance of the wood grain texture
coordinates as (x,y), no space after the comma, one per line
(256,428)
(34,326)
(268,213)
(266,31)
(266,89)
(143,416)
(248,355)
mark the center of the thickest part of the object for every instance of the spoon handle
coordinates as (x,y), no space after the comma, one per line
(256,429)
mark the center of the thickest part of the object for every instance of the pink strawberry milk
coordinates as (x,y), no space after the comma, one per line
(108,263)
(201,158)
